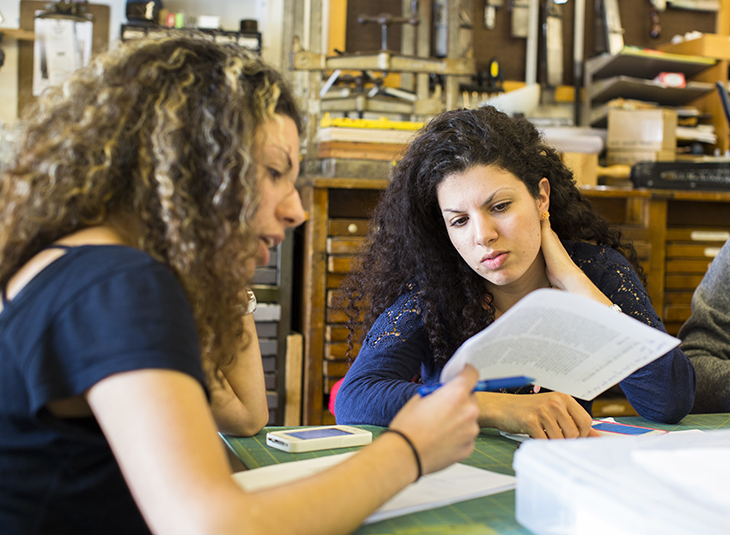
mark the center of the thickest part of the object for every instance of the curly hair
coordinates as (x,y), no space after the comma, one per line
(161,133)
(408,246)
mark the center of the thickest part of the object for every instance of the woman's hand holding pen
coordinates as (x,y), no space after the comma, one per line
(548,415)
(444,424)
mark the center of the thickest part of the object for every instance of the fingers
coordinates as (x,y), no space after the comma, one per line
(583,420)
(466,380)
(443,424)
(552,416)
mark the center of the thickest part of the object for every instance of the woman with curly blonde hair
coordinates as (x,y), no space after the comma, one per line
(144,192)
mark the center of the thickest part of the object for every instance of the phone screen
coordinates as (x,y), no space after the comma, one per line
(318,433)
(623,429)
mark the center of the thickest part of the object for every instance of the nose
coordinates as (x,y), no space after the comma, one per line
(291,211)
(485,231)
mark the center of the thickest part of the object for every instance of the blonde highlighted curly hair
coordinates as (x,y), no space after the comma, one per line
(158,133)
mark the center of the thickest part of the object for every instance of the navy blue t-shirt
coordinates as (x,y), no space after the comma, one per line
(96,311)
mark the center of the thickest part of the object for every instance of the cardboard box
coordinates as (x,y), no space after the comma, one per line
(631,156)
(710,45)
(670,484)
(579,149)
(584,167)
(642,129)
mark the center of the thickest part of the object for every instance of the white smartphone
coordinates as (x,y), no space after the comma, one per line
(318,438)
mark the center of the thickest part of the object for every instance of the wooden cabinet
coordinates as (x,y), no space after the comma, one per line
(697,225)
(673,232)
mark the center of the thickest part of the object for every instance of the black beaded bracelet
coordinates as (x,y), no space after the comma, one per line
(413,448)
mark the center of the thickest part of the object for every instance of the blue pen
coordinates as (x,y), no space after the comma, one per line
(490,385)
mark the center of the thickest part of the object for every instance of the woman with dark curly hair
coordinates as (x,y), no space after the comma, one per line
(479,213)
(145,191)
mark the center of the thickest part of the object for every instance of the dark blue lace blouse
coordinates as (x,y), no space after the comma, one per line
(396,350)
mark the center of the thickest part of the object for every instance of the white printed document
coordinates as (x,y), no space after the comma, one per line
(565,342)
(456,483)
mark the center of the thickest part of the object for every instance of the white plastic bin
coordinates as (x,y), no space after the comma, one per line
(607,486)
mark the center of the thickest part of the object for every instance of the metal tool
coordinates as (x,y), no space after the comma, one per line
(490,13)
(520,17)
(386,19)
(554,43)
(614,30)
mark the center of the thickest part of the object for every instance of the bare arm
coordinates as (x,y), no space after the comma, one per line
(238,400)
(164,437)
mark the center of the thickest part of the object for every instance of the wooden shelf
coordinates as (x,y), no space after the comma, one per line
(647,90)
(710,45)
(645,63)
(17,34)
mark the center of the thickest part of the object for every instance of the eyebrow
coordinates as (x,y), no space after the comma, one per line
(289,164)
(490,199)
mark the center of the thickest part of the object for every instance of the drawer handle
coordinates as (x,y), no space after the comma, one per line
(352,228)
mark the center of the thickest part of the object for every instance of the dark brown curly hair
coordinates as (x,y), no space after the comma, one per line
(408,245)
(160,132)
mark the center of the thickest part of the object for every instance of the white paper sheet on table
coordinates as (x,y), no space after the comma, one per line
(456,483)
(565,342)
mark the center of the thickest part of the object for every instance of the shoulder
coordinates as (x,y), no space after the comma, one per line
(602,263)
(101,259)
(600,256)
(132,280)
(96,311)
(607,268)
(119,267)
(398,322)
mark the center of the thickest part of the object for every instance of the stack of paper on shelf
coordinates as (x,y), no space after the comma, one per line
(364,139)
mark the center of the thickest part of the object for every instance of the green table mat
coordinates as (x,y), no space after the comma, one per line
(482,516)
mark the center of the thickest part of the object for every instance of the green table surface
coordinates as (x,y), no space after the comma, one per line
(489,515)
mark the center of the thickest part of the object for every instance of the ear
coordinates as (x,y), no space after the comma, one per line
(543,196)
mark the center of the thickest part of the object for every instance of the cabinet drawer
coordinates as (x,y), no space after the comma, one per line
(344,244)
(692,250)
(678,298)
(336,333)
(712,235)
(688,266)
(677,313)
(347,227)
(334,280)
(339,264)
(682,282)
(336,350)
(673,327)
(335,368)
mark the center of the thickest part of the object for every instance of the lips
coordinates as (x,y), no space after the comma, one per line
(265,243)
(269,242)
(494,260)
